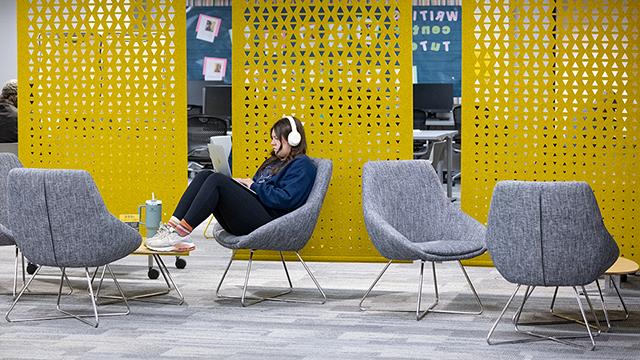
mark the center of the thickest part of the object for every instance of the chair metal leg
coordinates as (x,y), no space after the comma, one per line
(420,315)
(246,280)
(286,271)
(168,279)
(362,308)
(67,314)
(537,336)
(104,268)
(24,270)
(431,308)
(15,274)
(527,293)
(624,306)
(559,339)
(604,307)
(14,291)
(276,297)
(93,303)
(473,290)
(15,301)
(315,281)
(584,316)
(578,321)
(224,275)
(495,324)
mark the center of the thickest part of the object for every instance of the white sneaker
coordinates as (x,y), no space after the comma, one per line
(163,231)
(169,240)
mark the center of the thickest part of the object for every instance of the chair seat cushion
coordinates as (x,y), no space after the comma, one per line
(226,239)
(6,237)
(450,250)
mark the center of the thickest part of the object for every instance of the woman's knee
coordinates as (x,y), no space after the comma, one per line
(215,179)
(203,175)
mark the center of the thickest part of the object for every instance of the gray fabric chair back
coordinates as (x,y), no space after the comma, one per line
(8,161)
(290,232)
(58,219)
(548,234)
(409,197)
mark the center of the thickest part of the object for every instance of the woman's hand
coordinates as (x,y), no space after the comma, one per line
(245,181)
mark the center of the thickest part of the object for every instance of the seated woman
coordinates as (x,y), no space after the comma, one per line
(9,112)
(281,184)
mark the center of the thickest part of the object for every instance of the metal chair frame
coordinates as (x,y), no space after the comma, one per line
(607,319)
(166,275)
(67,314)
(431,308)
(14,291)
(538,336)
(276,297)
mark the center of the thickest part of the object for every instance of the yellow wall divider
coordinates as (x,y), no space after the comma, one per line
(550,93)
(342,67)
(102,87)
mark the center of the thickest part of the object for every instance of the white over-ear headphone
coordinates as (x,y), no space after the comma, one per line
(294,136)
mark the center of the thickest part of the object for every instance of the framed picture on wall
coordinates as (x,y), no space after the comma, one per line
(214,69)
(207,28)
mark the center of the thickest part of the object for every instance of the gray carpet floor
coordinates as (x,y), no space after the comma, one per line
(211,328)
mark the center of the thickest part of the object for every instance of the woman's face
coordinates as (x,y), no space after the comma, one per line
(281,148)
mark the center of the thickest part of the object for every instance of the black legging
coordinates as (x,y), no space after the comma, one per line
(236,209)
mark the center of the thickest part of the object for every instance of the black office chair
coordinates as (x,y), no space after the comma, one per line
(194,109)
(200,129)
(421,148)
(457,140)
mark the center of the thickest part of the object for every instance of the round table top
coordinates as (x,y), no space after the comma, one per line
(622,266)
(143,250)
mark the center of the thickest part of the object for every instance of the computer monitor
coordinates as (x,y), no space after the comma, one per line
(217,101)
(433,98)
(194,92)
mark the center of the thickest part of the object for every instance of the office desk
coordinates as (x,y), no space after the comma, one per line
(440,135)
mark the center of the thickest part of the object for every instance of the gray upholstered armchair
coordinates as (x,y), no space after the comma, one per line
(548,234)
(7,162)
(409,217)
(290,232)
(58,219)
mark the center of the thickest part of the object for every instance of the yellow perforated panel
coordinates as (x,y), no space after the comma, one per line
(344,69)
(102,88)
(550,92)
